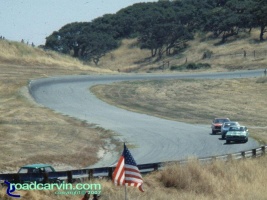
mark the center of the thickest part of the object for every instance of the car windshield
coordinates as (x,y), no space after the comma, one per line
(236,129)
(241,128)
(221,120)
(233,123)
(227,124)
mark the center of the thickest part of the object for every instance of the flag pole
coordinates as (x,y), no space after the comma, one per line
(125,190)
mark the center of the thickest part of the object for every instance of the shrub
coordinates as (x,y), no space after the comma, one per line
(190,66)
(177,67)
(191,177)
(262,80)
(207,54)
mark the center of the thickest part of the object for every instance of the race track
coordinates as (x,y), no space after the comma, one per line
(155,139)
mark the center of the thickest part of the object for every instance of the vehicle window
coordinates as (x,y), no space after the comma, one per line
(23,171)
(31,170)
(42,170)
(233,129)
(35,170)
(221,120)
(48,169)
(234,123)
(241,128)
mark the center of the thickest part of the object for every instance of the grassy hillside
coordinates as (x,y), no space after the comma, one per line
(228,56)
(30,133)
(15,53)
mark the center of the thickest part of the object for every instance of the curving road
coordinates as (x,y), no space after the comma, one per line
(156,139)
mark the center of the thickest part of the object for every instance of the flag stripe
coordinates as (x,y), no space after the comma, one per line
(130,180)
(134,174)
(118,175)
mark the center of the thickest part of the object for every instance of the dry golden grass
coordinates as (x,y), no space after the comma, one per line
(233,180)
(233,50)
(130,58)
(30,133)
(15,53)
(125,58)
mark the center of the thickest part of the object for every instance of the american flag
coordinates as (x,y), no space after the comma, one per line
(126,171)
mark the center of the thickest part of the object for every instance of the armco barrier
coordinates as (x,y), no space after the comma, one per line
(85,174)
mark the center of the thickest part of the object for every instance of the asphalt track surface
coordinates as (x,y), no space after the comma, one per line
(155,139)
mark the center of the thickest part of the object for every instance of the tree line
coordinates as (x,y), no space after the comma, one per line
(163,27)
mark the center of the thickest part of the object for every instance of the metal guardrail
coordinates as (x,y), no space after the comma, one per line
(80,175)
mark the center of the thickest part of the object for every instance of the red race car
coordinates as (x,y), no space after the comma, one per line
(217,124)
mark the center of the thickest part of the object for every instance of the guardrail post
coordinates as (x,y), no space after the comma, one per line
(243,154)
(254,153)
(110,171)
(90,174)
(16,178)
(69,175)
(156,167)
(45,176)
(263,150)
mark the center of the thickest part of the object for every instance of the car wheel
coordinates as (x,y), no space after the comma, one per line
(213,132)
(227,141)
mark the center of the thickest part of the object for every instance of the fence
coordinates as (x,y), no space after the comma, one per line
(80,175)
(242,53)
(258,54)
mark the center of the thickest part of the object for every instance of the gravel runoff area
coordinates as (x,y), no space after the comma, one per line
(153,139)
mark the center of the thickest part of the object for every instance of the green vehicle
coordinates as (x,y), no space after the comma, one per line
(36,168)
(237,134)
(36,173)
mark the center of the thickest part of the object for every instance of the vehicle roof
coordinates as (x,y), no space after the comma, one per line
(230,122)
(221,118)
(39,165)
(238,126)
